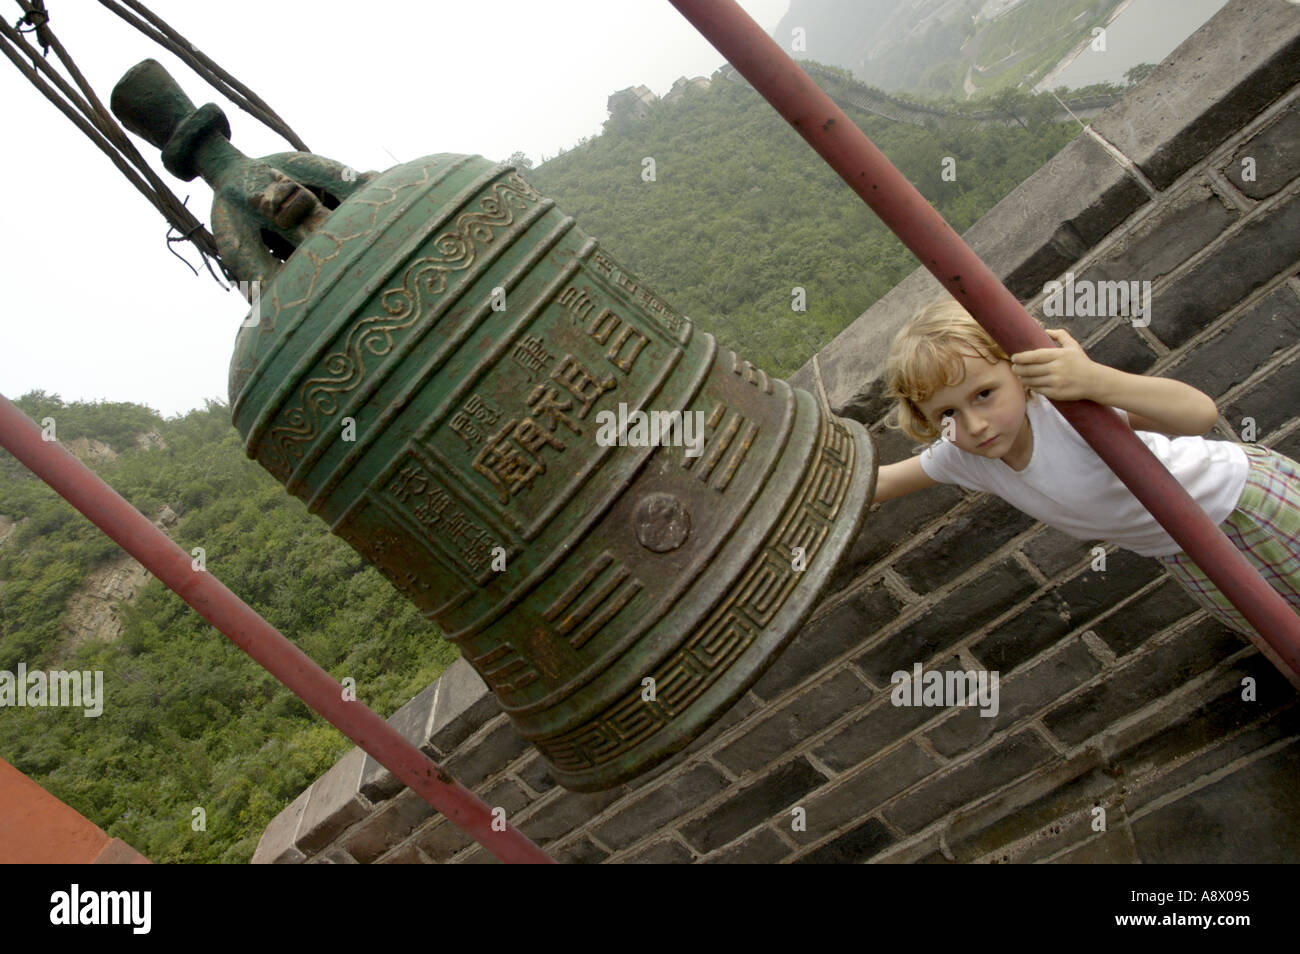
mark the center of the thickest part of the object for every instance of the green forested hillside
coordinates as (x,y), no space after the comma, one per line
(740,212)
(188,720)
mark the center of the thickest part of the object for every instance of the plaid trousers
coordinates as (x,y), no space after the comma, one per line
(1265,527)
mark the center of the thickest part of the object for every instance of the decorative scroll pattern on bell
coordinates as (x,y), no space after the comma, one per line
(428,373)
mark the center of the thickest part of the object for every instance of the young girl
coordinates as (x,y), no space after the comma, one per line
(953,382)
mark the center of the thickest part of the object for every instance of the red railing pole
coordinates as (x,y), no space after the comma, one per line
(246,629)
(848,151)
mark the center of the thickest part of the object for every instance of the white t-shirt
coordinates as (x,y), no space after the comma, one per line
(1067,486)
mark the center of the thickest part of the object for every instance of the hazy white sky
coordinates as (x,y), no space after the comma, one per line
(95,307)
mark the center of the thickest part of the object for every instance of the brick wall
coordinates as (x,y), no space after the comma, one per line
(1116,693)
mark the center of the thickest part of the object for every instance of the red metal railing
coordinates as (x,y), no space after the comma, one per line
(106,509)
(866,170)
(848,151)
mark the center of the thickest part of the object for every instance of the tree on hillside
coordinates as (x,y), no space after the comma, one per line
(1010,102)
(519,160)
(1138,73)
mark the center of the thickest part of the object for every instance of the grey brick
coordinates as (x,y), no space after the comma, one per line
(890,525)
(1264,246)
(1045,825)
(1019,697)
(1229,358)
(405,855)
(674,764)
(1124,349)
(968,781)
(1224,713)
(1275,150)
(1289,445)
(655,809)
(933,858)
(486,754)
(1052,218)
(865,403)
(388,826)
(1036,626)
(891,443)
(961,543)
(1250,816)
(537,775)
(863,792)
(1181,226)
(507,794)
(1052,551)
(761,848)
(334,805)
(1149,785)
(276,845)
(584,851)
(1112,847)
(949,622)
(1092,591)
(741,710)
(1143,618)
(861,843)
(666,852)
(1232,67)
(333,856)
(1212,736)
(1143,680)
(893,523)
(980,824)
(440,840)
(875,728)
(1260,401)
(412,721)
(750,807)
(794,723)
(561,814)
(464,704)
(827,637)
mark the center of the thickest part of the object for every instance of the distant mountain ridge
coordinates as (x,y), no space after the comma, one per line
(956,48)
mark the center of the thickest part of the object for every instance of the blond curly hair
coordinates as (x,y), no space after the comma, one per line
(927,355)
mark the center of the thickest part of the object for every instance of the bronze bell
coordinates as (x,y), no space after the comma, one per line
(619,523)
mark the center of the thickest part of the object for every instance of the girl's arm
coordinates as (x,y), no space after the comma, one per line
(1159,404)
(895,480)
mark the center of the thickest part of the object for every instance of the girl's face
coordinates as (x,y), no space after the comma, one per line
(984,413)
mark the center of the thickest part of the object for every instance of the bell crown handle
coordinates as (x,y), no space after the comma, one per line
(151,104)
(254,200)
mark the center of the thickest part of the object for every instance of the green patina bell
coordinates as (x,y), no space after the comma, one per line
(439,363)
